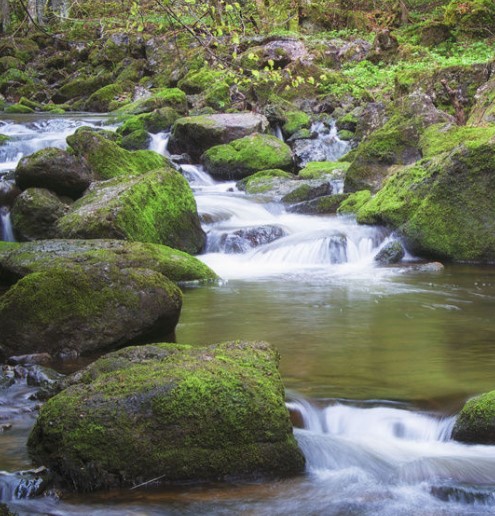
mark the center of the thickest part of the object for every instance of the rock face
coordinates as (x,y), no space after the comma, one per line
(475,424)
(21,260)
(35,214)
(56,170)
(107,159)
(157,207)
(443,206)
(169,411)
(248,155)
(93,307)
(195,134)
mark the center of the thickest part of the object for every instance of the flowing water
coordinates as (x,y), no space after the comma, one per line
(376,361)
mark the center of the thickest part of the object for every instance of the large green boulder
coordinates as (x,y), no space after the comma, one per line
(86,309)
(156,207)
(444,207)
(169,412)
(20,260)
(475,424)
(107,159)
(195,134)
(56,170)
(248,155)
(166,97)
(35,214)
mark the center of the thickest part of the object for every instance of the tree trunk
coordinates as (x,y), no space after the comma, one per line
(4,15)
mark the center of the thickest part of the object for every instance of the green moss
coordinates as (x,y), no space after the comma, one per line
(199,81)
(107,159)
(110,97)
(180,413)
(354,202)
(14,77)
(4,139)
(166,97)
(18,108)
(480,410)
(475,17)
(246,156)
(295,121)
(136,140)
(82,86)
(320,169)
(345,135)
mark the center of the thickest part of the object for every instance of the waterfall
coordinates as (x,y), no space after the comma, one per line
(6,231)
(388,444)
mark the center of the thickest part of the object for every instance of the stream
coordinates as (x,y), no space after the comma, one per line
(376,360)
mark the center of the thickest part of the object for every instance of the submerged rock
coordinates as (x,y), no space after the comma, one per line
(169,412)
(244,239)
(55,170)
(475,424)
(248,155)
(196,134)
(156,207)
(393,252)
(91,308)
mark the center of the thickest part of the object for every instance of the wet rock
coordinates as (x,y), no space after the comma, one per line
(156,207)
(393,252)
(55,170)
(35,214)
(245,156)
(242,240)
(32,483)
(38,358)
(475,424)
(429,267)
(39,376)
(69,254)
(86,309)
(356,50)
(194,135)
(326,204)
(173,412)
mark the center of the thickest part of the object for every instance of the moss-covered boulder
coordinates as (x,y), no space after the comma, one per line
(353,202)
(86,309)
(137,140)
(324,169)
(172,412)
(483,111)
(165,97)
(110,97)
(107,159)
(475,424)
(295,121)
(324,205)
(390,253)
(195,134)
(444,207)
(23,259)
(474,17)
(35,214)
(396,143)
(156,207)
(82,86)
(56,170)
(248,155)
(155,122)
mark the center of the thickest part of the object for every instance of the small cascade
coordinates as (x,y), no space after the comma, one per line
(324,146)
(6,230)
(159,142)
(393,445)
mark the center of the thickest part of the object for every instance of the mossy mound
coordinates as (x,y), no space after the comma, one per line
(295,121)
(444,207)
(246,156)
(166,97)
(474,17)
(321,169)
(353,202)
(107,159)
(54,169)
(18,109)
(195,134)
(137,140)
(475,424)
(93,307)
(110,97)
(173,412)
(157,207)
(81,87)
(155,122)
(35,214)
(19,260)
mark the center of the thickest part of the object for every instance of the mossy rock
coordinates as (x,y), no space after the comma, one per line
(321,169)
(324,205)
(16,261)
(186,414)
(444,206)
(475,424)
(137,140)
(18,109)
(107,159)
(483,112)
(86,309)
(195,134)
(9,63)
(295,121)
(166,97)
(54,169)
(248,182)
(474,17)
(81,87)
(157,207)
(157,121)
(4,139)
(353,202)
(110,97)
(35,214)
(198,81)
(246,156)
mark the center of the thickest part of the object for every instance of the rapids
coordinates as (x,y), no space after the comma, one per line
(376,360)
